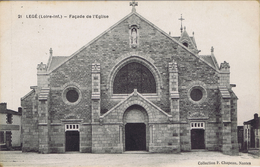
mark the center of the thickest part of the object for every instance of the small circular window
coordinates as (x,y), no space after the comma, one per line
(71,95)
(196,94)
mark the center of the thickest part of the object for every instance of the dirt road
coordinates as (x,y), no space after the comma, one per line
(75,159)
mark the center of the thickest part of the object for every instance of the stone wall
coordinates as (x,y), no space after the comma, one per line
(212,136)
(106,139)
(85,138)
(30,123)
(115,44)
(234,142)
(155,50)
(165,138)
(185,143)
(57,138)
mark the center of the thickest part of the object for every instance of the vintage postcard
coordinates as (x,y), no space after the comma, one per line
(129,83)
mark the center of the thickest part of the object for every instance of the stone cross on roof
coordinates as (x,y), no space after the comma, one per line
(133,4)
(181,22)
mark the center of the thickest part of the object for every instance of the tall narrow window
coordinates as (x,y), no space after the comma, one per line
(9,119)
(134,76)
(2,137)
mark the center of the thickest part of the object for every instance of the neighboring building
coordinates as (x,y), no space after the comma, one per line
(134,87)
(252,133)
(10,127)
(240,137)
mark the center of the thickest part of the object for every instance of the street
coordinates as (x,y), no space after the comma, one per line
(75,159)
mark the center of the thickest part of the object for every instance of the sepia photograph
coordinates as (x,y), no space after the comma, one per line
(129,83)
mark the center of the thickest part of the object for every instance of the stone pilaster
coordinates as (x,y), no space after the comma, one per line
(234,139)
(95,96)
(42,76)
(43,115)
(173,89)
(224,74)
(174,102)
(43,120)
(226,126)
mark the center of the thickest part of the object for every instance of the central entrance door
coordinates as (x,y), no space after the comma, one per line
(135,137)
(197,139)
(72,140)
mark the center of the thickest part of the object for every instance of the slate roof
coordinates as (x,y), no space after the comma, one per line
(28,94)
(56,60)
(254,123)
(210,59)
(4,110)
(7,111)
(192,39)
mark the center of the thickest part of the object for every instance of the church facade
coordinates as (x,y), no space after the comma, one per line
(134,87)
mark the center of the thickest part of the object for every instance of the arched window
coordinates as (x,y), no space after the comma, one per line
(134,76)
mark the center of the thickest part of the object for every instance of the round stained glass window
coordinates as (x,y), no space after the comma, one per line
(196,94)
(72,95)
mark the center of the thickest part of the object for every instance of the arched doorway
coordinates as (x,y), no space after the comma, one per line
(136,130)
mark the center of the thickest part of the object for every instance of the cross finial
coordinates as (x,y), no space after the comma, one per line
(51,51)
(181,22)
(212,49)
(133,4)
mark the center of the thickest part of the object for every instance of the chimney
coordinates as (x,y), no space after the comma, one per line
(19,109)
(2,106)
(255,116)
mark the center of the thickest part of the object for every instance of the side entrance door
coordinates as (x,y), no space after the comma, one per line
(197,139)
(72,141)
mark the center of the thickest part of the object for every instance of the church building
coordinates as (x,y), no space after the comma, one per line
(132,88)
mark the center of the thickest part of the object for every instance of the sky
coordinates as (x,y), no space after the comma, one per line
(231,27)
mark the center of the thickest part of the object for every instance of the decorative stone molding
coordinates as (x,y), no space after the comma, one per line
(41,68)
(134,57)
(95,67)
(224,65)
(134,35)
(65,91)
(201,87)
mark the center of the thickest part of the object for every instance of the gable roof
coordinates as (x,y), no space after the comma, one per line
(56,61)
(192,39)
(61,61)
(28,94)
(254,123)
(135,93)
(185,34)
(210,59)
